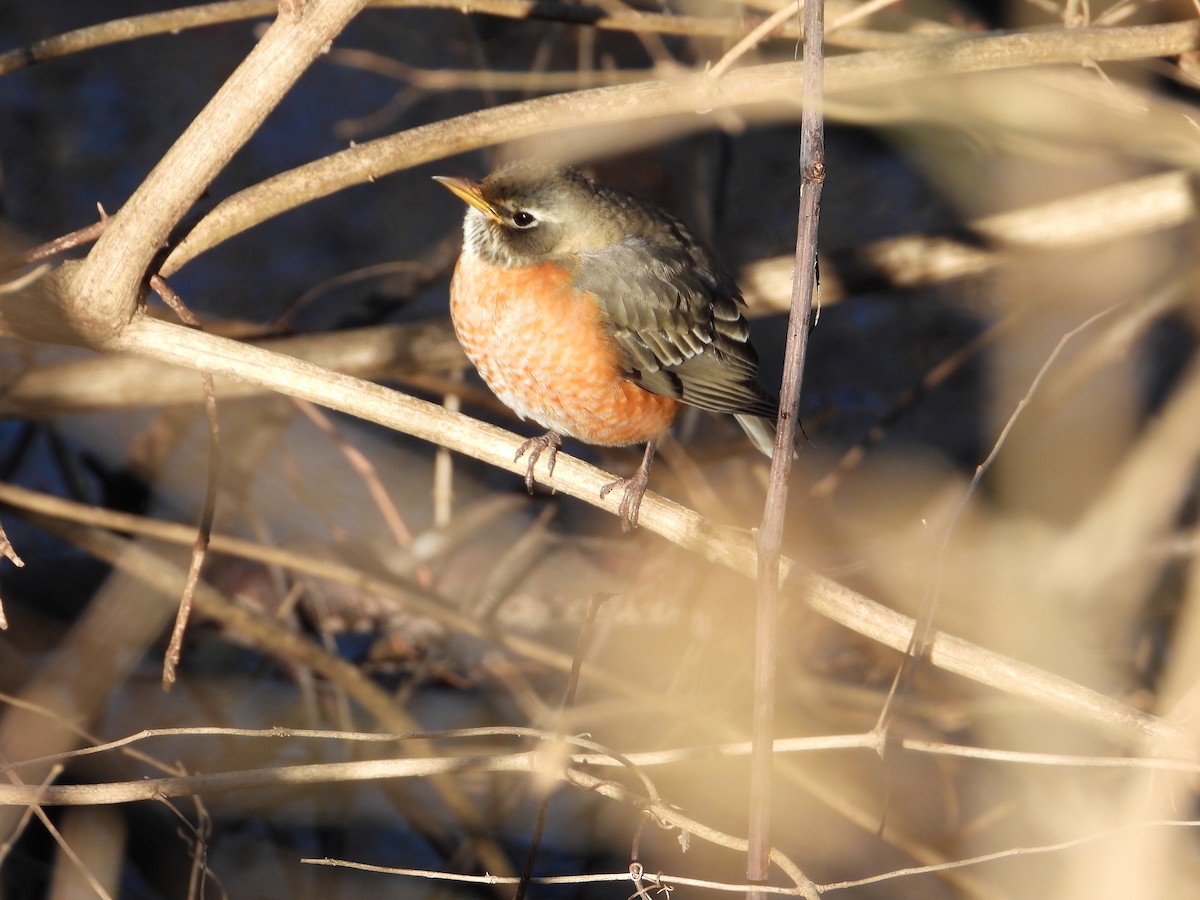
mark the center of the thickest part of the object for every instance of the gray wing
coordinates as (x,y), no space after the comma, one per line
(677,318)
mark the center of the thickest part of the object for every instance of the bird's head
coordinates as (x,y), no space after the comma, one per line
(528,213)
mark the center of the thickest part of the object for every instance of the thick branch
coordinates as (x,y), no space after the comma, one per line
(729,547)
(694,96)
(116,268)
(118,382)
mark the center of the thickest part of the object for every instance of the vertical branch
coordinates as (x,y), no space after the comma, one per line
(770,534)
(208,511)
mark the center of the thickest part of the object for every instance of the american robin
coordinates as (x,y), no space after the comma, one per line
(596,315)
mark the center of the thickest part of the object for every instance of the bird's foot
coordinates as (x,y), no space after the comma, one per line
(634,488)
(548,443)
(631,501)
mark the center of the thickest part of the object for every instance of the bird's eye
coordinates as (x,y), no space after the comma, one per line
(523,219)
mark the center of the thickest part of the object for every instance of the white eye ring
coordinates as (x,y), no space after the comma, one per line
(524,219)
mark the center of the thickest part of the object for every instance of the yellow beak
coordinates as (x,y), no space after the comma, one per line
(469,192)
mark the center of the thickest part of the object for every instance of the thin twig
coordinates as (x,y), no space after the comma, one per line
(594,878)
(1138,206)
(9,552)
(408,594)
(824,488)
(167,579)
(669,879)
(1011,852)
(581,646)
(89,877)
(924,630)
(755,37)
(22,823)
(421,272)
(528,762)
(69,241)
(443,467)
(366,471)
(96,745)
(176,20)
(859,12)
(871,741)
(770,535)
(430,80)
(24,280)
(212,481)
(412,766)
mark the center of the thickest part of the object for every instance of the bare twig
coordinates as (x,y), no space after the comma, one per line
(1143,205)
(23,281)
(660,878)
(581,645)
(365,471)
(96,745)
(683,881)
(166,578)
(9,552)
(872,741)
(859,12)
(212,480)
(132,28)
(61,244)
(410,595)
(824,488)
(480,80)
(31,808)
(1011,852)
(755,37)
(529,762)
(770,535)
(922,634)
(421,272)
(175,20)
(91,845)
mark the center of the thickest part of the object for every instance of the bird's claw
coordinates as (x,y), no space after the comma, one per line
(548,443)
(634,489)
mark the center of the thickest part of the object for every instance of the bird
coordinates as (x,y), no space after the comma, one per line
(597,315)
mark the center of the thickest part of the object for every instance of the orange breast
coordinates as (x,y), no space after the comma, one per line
(542,348)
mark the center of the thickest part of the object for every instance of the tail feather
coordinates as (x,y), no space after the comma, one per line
(760,431)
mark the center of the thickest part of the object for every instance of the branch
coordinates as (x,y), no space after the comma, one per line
(96,383)
(172,21)
(726,546)
(694,97)
(770,532)
(114,273)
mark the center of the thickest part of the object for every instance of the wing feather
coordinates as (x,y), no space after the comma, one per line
(677,318)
